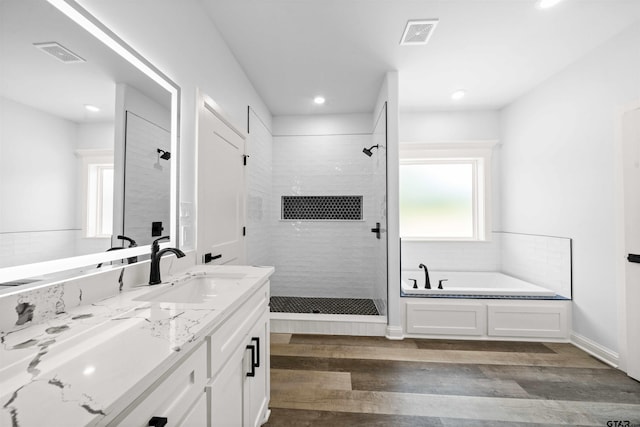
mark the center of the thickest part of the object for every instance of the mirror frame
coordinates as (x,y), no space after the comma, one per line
(94,27)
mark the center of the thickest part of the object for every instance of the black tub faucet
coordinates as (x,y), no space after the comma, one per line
(156,255)
(427,283)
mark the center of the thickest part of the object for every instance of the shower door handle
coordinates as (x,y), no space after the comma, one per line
(377,230)
(633,258)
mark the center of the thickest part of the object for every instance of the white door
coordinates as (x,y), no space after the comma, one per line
(631,159)
(221,192)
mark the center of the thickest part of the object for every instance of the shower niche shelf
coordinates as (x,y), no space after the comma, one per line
(310,208)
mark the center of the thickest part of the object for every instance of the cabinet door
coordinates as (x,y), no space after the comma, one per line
(256,393)
(226,391)
(197,416)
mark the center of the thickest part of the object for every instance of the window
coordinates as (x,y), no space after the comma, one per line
(99,200)
(98,183)
(444,191)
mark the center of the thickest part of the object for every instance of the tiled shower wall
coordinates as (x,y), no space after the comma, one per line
(147,196)
(543,260)
(324,258)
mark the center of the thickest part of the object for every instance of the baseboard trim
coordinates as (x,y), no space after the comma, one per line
(394,333)
(598,351)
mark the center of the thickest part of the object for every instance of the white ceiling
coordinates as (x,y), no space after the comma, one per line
(34,78)
(497,50)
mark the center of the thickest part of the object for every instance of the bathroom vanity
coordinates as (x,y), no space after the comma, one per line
(193,351)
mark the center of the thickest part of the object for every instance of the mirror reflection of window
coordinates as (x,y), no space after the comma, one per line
(99,200)
(97,174)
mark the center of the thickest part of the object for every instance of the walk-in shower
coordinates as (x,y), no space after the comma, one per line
(326,200)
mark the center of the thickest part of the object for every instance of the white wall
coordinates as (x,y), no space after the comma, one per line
(180,39)
(442,126)
(558,172)
(37,169)
(95,136)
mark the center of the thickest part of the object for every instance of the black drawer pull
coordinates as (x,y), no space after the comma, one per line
(257,340)
(252,373)
(633,258)
(158,421)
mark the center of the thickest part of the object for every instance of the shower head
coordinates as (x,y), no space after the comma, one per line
(368,151)
(164,155)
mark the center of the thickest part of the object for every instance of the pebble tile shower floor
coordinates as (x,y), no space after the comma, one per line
(323,305)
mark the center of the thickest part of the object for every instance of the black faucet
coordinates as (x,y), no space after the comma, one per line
(132,244)
(156,254)
(427,283)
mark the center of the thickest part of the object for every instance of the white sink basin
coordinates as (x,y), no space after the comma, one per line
(197,289)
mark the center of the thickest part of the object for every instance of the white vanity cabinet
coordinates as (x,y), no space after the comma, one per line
(173,397)
(223,382)
(238,390)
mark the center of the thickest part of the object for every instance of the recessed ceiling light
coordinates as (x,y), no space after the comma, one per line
(546,4)
(319,100)
(91,108)
(458,95)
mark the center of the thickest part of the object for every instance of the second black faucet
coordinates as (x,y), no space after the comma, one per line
(427,283)
(156,255)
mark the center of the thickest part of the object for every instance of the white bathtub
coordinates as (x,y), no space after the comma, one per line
(471,283)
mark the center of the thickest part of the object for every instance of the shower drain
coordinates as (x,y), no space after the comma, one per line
(357,306)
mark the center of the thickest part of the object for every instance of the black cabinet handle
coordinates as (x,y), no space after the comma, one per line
(158,422)
(257,341)
(252,373)
(633,258)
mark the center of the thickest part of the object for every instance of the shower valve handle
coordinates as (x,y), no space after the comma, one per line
(377,230)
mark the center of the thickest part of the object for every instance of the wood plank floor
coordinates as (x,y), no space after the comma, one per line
(319,380)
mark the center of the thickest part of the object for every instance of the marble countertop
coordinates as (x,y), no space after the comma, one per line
(85,366)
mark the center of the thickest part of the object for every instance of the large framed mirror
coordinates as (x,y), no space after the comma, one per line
(88,144)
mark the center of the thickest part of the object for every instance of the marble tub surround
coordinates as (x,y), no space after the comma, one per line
(44,300)
(85,365)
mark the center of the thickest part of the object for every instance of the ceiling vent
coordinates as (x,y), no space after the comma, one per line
(60,52)
(418,32)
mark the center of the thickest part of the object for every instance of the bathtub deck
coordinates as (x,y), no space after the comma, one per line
(371,381)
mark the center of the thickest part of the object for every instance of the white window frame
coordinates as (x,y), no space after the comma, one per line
(96,160)
(477,153)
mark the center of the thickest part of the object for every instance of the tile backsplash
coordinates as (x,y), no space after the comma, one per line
(542,260)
